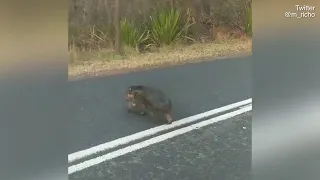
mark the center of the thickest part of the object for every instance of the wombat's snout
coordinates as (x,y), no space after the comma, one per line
(129,97)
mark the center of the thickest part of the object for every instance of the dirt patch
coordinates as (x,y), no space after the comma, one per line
(97,63)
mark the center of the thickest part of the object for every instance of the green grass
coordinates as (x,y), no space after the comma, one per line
(248,18)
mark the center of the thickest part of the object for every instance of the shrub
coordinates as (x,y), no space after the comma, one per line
(167,26)
(132,35)
(90,38)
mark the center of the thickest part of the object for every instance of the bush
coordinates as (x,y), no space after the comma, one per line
(159,27)
(90,38)
(132,35)
(167,26)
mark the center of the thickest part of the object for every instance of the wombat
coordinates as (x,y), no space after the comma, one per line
(148,100)
(133,104)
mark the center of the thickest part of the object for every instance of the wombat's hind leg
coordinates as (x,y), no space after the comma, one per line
(168,118)
(151,113)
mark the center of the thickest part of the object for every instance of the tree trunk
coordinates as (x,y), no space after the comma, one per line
(117,27)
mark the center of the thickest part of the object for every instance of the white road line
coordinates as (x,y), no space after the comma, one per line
(127,139)
(245,106)
(157,139)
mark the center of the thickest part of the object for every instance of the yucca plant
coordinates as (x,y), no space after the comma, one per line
(132,35)
(167,26)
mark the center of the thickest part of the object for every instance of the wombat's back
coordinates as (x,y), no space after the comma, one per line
(158,99)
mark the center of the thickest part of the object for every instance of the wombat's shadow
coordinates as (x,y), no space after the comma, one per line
(158,120)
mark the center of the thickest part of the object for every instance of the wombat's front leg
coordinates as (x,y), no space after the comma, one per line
(133,108)
(142,113)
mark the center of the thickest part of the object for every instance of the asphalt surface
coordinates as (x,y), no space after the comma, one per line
(219,151)
(98,105)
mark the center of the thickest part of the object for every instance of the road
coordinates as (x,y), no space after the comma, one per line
(219,151)
(98,106)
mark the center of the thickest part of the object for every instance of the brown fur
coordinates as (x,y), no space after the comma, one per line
(150,101)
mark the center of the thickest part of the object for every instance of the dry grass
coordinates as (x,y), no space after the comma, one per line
(93,63)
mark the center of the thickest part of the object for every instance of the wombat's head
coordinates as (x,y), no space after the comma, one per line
(132,93)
